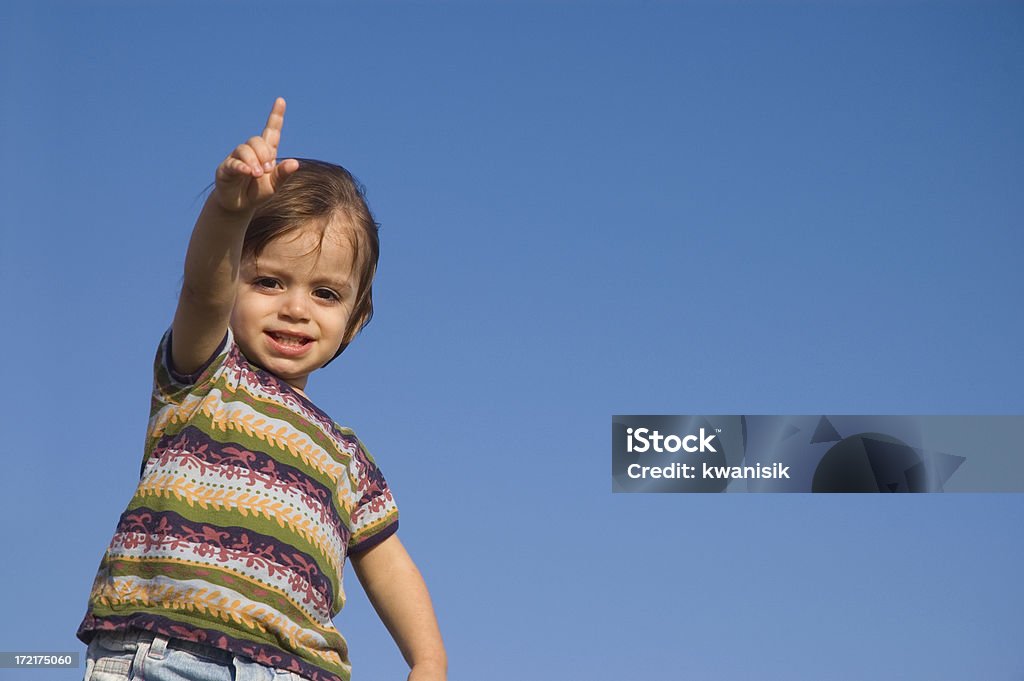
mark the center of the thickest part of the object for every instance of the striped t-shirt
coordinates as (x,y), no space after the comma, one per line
(249,501)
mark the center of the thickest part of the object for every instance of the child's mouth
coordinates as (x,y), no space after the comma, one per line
(289,340)
(289,344)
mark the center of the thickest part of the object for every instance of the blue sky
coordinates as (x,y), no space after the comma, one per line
(588,209)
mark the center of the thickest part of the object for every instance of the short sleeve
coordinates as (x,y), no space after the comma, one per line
(375,517)
(167,380)
(176,397)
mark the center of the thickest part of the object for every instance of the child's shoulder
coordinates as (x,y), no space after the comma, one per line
(344,430)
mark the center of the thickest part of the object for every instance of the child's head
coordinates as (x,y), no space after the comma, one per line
(308,260)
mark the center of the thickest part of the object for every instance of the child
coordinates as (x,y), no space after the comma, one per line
(227,563)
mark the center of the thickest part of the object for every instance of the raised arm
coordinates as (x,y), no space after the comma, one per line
(398,594)
(244,180)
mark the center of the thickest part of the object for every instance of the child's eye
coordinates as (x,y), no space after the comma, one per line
(326,294)
(266,282)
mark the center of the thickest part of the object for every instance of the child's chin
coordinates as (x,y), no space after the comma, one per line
(288,375)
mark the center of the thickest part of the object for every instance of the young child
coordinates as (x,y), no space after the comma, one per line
(227,563)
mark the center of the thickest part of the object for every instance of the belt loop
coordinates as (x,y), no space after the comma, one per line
(157,648)
(139,661)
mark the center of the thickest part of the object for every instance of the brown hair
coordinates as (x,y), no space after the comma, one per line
(316,193)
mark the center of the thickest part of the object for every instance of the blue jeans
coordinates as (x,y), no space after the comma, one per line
(142,656)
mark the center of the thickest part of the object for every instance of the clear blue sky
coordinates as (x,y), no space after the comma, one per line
(588,209)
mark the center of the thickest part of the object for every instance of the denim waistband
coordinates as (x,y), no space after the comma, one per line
(119,640)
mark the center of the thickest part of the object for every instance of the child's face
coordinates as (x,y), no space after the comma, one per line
(294,302)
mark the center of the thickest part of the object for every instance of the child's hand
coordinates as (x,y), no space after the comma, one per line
(251,174)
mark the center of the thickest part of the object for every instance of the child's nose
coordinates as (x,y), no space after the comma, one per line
(295,306)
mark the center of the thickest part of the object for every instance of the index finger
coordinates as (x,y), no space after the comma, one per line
(272,133)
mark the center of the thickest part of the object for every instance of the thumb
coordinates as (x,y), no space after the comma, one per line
(282,170)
